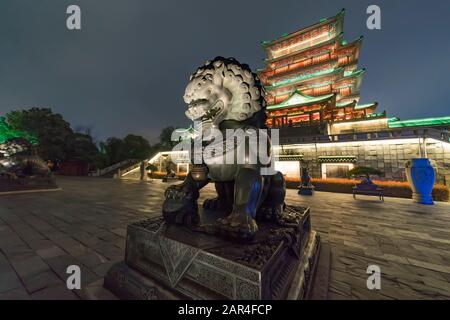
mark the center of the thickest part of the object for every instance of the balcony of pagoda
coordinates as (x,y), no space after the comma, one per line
(322,66)
(303,129)
(344,115)
(347,95)
(298,66)
(350,50)
(313,90)
(313,120)
(292,47)
(346,61)
(297,84)
(296,137)
(303,40)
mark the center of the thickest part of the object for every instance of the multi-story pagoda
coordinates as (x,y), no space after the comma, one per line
(312,78)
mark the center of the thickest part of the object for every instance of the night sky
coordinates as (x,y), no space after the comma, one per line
(126,70)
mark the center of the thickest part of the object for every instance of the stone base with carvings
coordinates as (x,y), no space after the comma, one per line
(172,262)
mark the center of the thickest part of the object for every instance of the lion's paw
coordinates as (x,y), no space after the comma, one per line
(237,225)
(216,204)
(269,213)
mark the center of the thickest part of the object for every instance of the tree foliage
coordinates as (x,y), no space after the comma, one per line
(58,141)
(165,138)
(115,150)
(364,171)
(8,133)
(51,130)
(136,147)
(81,147)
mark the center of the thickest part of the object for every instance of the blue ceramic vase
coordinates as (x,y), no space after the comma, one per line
(421,177)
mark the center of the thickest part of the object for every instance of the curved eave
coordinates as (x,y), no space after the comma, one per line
(182,130)
(300,51)
(366,106)
(332,62)
(356,42)
(339,15)
(350,104)
(311,101)
(304,80)
(440,121)
(357,73)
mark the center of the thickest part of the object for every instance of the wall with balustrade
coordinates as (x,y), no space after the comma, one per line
(389,155)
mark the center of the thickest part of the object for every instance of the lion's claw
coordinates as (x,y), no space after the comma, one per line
(269,213)
(237,225)
(216,204)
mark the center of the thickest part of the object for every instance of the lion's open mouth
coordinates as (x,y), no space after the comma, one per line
(202,110)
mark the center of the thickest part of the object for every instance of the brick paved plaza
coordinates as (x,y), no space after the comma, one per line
(85,224)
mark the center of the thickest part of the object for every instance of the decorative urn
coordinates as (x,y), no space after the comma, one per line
(421,177)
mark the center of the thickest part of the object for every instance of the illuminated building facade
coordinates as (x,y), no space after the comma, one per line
(312,83)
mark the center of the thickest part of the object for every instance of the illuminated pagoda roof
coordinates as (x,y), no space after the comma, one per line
(366,106)
(311,76)
(299,99)
(357,106)
(346,104)
(338,38)
(439,121)
(186,133)
(354,73)
(324,21)
(302,78)
(345,43)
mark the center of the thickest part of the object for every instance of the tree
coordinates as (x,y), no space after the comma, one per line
(364,171)
(111,150)
(165,138)
(115,150)
(81,147)
(50,129)
(7,133)
(135,147)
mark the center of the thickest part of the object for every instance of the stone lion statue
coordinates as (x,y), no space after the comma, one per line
(224,94)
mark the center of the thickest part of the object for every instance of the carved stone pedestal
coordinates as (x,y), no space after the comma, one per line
(172,262)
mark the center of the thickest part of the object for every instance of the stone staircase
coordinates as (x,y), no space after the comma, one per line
(114,169)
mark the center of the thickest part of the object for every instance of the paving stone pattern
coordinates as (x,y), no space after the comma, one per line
(41,234)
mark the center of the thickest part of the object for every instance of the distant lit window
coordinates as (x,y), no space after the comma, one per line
(290,169)
(182,167)
(336,170)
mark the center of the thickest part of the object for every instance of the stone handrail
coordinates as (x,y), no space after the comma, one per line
(114,167)
(128,169)
(364,136)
